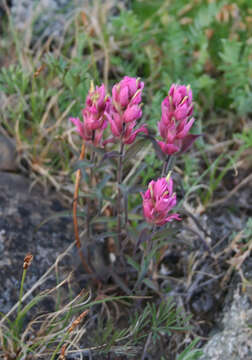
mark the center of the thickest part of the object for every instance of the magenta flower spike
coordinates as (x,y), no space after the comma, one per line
(126,110)
(94,120)
(127,92)
(176,120)
(158,201)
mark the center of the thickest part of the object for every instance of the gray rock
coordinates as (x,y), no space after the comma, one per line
(8,156)
(234,342)
(45,17)
(48,18)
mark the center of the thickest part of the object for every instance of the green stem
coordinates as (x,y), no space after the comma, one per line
(58,347)
(16,326)
(21,292)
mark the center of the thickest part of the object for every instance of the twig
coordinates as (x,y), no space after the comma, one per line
(232,192)
(196,221)
(146,346)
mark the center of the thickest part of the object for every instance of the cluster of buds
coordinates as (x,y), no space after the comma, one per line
(158,201)
(176,120)
(94,119)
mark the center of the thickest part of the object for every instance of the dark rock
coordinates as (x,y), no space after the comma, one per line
(21,231)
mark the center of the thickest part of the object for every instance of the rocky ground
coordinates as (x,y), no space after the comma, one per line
(21,213)
(38,21)
(233,340)
(225,308)
(23,208)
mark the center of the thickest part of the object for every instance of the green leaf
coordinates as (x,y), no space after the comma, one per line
(135,217)
(231,51)
(190,353)
(104,219)
(150,284)
(133,263)
(134,149)
(168,234)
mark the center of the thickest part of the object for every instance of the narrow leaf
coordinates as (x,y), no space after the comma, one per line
(134,149)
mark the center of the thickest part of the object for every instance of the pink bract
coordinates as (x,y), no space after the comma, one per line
(176,120)
(127,92)
(94,120)
(126,110)
(158,201)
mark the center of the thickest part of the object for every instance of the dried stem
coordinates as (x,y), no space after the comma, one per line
(76,228)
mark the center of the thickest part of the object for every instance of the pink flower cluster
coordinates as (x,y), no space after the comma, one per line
(176,120)
(122,111)
(94,120)
(158,201)
(126,110)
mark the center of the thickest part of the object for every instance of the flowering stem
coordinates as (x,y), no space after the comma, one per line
(76,228)
(21,291)
(26,264)
(167,166)
(16,327)
(89,201)
(119,181)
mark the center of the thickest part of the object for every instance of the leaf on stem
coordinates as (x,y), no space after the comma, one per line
(188,141)
(134,149)
(156,147)
(144,236)
(108,156)
(168,234)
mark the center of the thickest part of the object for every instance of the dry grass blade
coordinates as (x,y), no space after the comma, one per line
(51,103)
(53,127)
(45,173)
(244,182)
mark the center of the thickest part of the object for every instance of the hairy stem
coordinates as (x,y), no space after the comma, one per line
(76,227)
(119,196)
(89,201)
(168,165)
